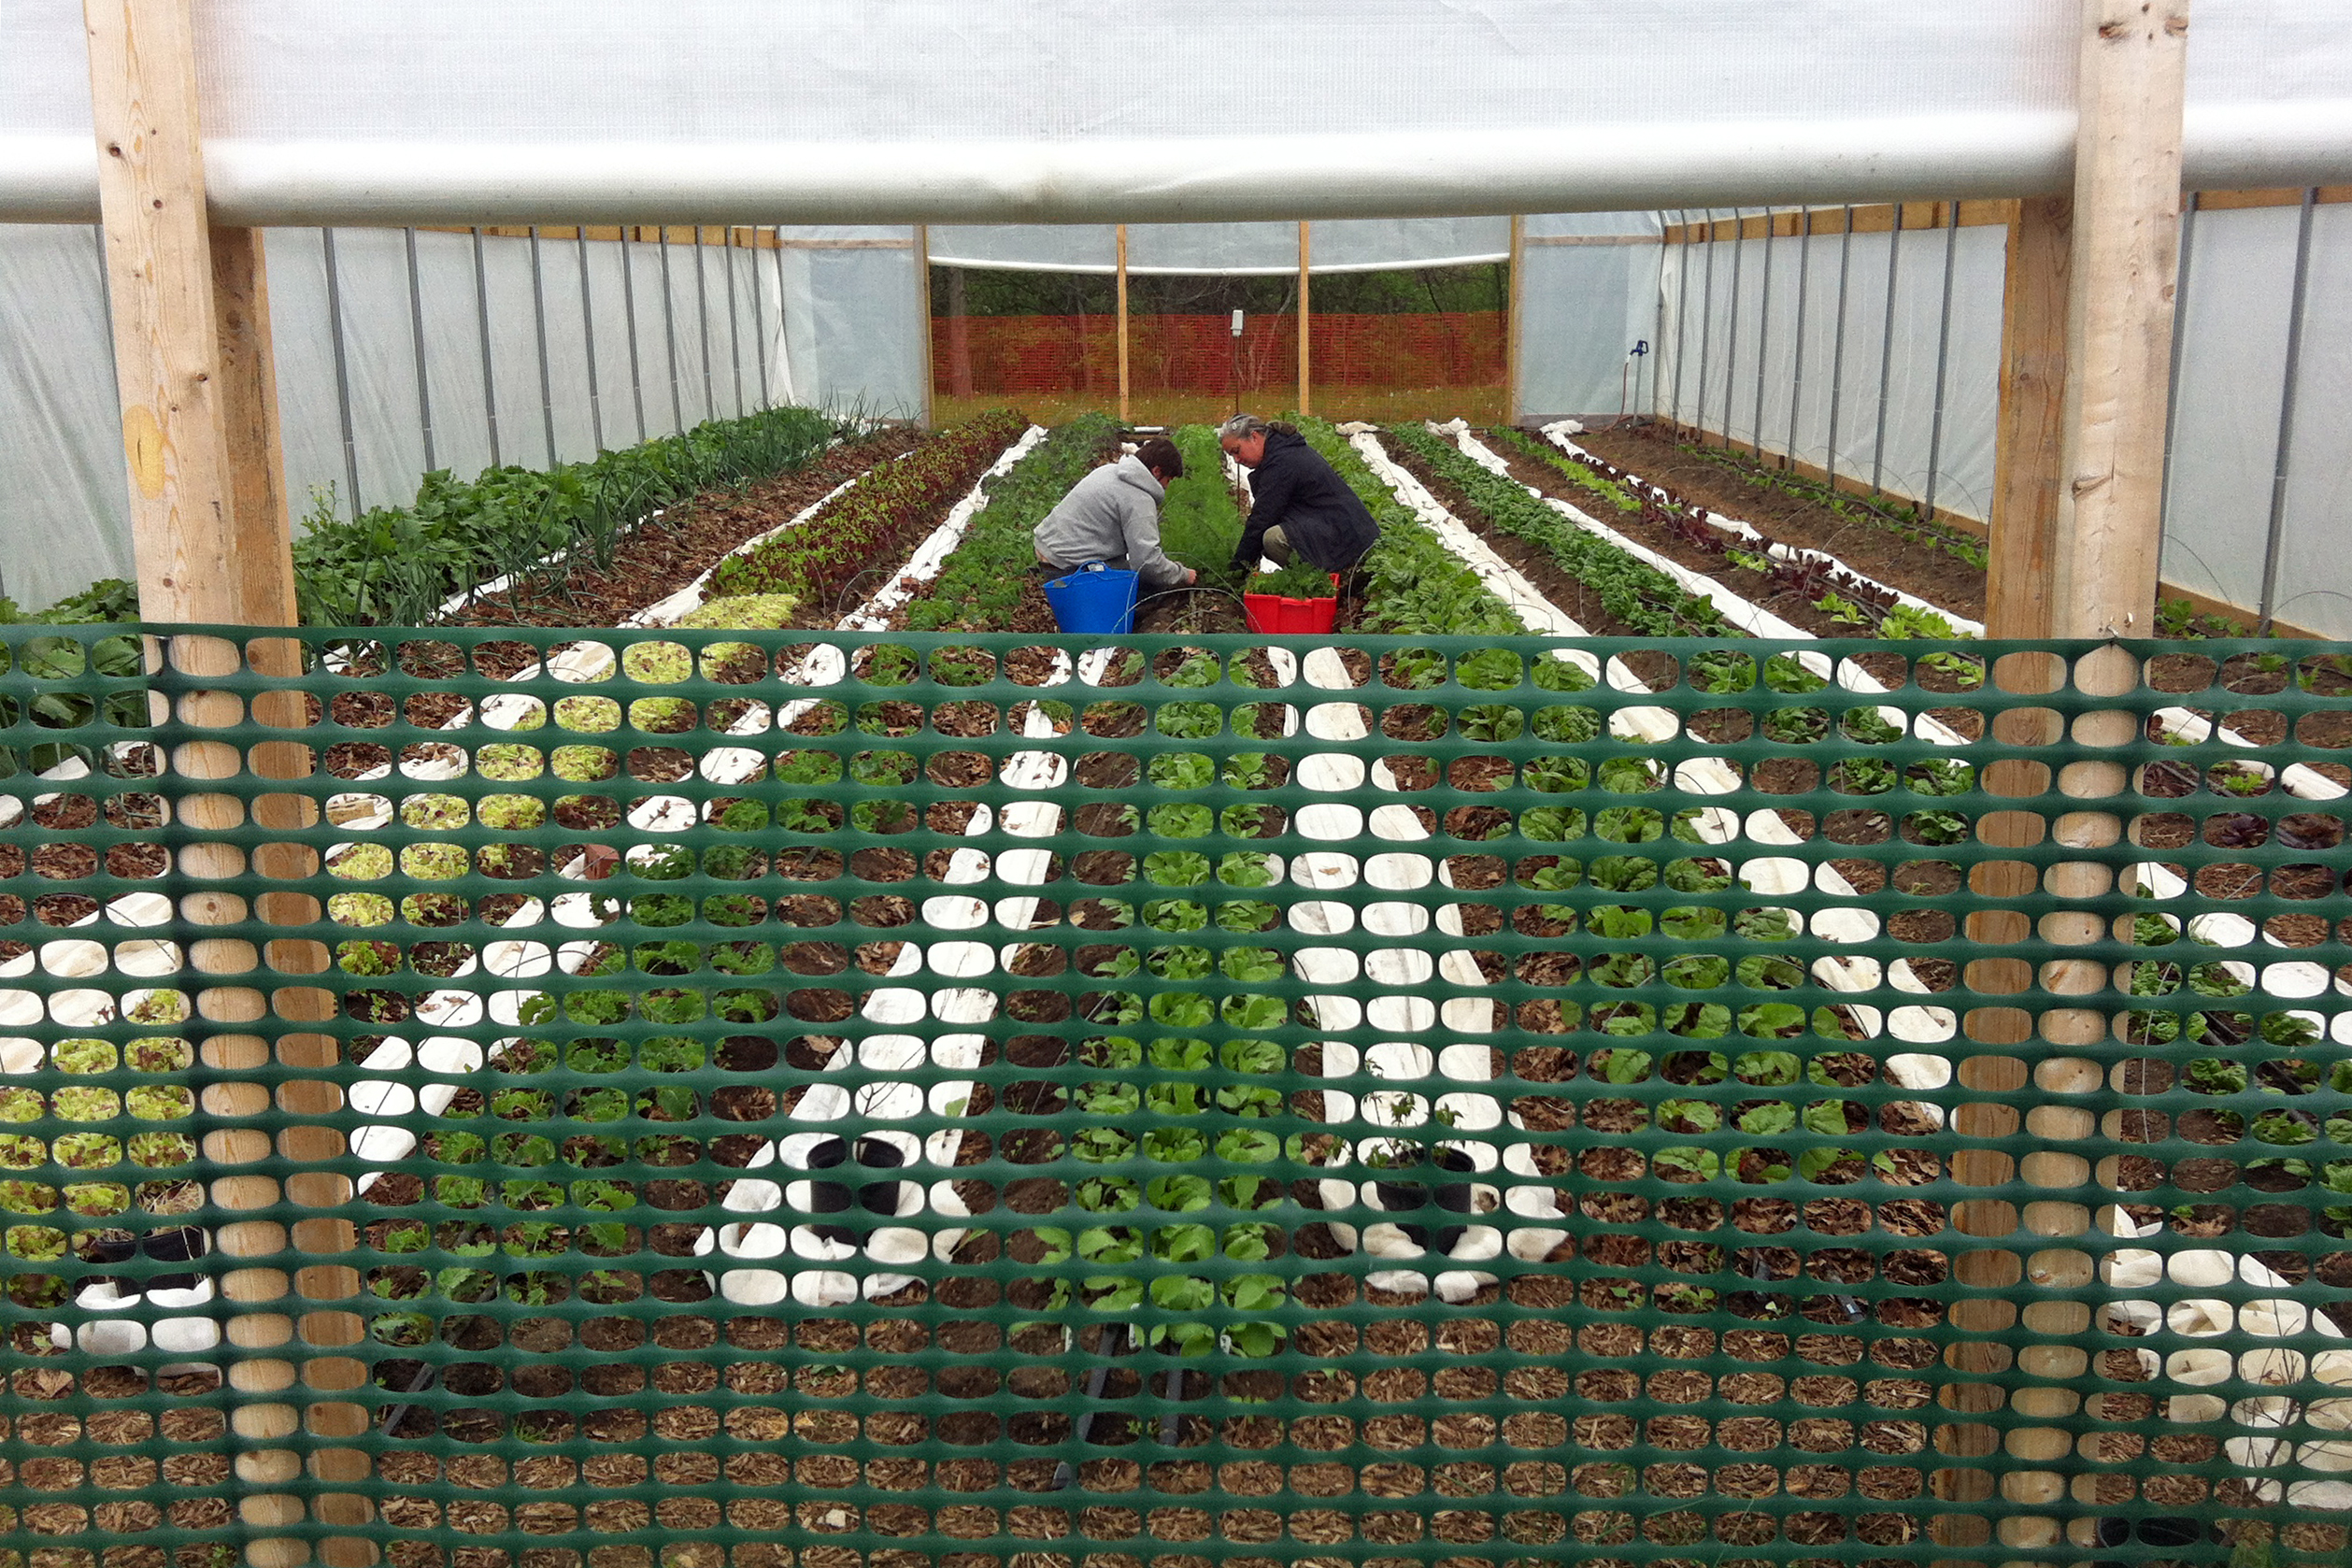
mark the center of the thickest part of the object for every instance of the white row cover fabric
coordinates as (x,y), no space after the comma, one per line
(1053,111)
(1228,250)
(847,337)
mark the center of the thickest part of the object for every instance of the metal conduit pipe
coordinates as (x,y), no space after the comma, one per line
(2283,448)
(629,320)
(1796,378)
(1682,320)
(1707,327)
(588,332)
(669,336)
(2180,338)
(416,337)
(1732,329)
(701,325)
(540,323)
(1763,334)
(1943,354)
(735,326)
(342,368)
(1837,346)
(759,324)
(1886,354)
(490,375)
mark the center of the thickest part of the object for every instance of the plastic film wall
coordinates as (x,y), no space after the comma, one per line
(1751,344)
(680,333)
(1586,294)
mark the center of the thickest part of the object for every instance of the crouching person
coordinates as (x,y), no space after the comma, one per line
(1113,516)
(1300,507)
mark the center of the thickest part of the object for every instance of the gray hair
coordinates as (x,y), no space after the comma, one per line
(1241,427)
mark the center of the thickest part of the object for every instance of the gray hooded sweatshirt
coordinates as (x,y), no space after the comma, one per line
(1111,515)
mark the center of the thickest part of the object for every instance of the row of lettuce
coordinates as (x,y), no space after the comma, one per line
(398,566)
(1412,583)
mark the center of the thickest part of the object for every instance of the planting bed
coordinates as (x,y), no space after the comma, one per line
(661,556)
(1798,513)
(857,542)
(1607,592)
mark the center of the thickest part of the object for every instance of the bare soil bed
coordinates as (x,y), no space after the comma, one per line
(1566,594)
(1931,573)
(662,557)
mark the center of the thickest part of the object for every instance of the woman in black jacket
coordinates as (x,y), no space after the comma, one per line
(1300,505)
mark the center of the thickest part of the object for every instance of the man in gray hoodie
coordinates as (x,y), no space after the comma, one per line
(1113,516)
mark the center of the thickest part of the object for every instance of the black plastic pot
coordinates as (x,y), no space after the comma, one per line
(832,1197)
(1454,1197)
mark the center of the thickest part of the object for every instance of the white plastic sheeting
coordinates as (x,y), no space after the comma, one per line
(2232,320)
(62,490)
(853,319)
(850,337)
(2234,315)
(1232,250)
(1055,110)
(1587,293)
(1709,345)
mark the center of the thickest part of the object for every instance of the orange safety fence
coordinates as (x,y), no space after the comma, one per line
(988,354)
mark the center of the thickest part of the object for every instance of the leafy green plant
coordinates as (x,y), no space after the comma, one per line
(981,585)
(395,565)
(1844,611)
(874,521)
(1884,513)
(1200,525)
(1640,595)
(1297,580)
(1610,490)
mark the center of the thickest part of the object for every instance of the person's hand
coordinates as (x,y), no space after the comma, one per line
(1192,576)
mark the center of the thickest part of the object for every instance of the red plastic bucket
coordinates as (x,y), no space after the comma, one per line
(1277,612)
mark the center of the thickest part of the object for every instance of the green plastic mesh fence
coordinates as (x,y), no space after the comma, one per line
(570,1100)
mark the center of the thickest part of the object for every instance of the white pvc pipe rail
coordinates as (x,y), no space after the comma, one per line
(1626,167)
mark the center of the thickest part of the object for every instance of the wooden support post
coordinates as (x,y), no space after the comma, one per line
(1304,321)
(1123,414)
(159,276)
(2029,441)
(2119,316)
(190,309)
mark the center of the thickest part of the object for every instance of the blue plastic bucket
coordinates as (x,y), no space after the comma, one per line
(1094,598)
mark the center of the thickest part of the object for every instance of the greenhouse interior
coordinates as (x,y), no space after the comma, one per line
(1136,475)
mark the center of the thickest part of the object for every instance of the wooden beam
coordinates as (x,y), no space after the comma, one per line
(1303,320)
(208,533)
(2119,316)
(262,545)
(159,276)
(2028,443)
(1514,404)
(1123,414)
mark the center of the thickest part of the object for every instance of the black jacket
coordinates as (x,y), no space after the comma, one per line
(1293,489)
